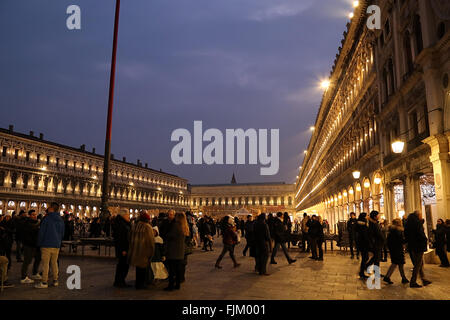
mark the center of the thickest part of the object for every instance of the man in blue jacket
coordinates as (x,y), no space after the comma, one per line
(51,234)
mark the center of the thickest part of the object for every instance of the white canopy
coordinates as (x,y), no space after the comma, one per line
(242,212)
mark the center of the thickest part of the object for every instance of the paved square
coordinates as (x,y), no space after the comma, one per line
(335,278)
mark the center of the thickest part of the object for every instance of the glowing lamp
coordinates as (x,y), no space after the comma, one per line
(366,184)
(356,174)
(397,146)
(377,180)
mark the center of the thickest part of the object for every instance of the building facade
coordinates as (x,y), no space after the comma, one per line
(35,172)
(224,199)
(388,88)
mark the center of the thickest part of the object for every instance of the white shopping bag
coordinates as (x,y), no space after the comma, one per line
(159,270)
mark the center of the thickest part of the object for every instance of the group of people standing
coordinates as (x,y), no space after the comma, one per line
(147,245)
(370,239)
(38,239)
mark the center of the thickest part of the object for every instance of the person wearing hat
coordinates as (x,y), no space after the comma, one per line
(121,232)
(142,248)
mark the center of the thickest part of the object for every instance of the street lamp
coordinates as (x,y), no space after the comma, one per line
(356,174)
(398,146)
(312,128)
(325,84)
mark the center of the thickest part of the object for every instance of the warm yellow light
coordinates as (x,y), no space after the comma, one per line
(358,188)
(351,191)
(356,174)
(350,15)
(397,146)
(345,194)
(355,4)
(311,128)
(366,184)
(377,180)
(325,84)
(305,152)
(339,197)
(44,168)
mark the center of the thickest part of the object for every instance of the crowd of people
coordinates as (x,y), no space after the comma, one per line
(158,247)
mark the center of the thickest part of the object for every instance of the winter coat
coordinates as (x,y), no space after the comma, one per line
(395,242)
(376,236)
(448,237)
(304,225)
(229,235)
(415,235)
(249,230)
(262,236)
(315,229)
(19,227)
(362,236)
(175,243)
(279,231)
(439,236)
(51,232)
(31,232)
(142,245)
(121,234)
(351,227)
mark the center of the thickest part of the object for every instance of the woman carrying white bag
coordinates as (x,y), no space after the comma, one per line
(158,270)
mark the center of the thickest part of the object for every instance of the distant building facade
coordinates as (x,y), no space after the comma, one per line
(218,200)
(35,172)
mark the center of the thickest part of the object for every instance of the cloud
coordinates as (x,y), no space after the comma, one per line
(305,95)
(287,8)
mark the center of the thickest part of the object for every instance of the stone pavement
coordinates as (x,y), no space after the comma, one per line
(335,278)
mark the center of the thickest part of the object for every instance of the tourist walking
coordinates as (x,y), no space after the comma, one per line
(279,234)
(249,236)
(51,233)
(142,248)
(362,243)
(7,226)
(121,233)
(384,229)
(175,250)
(395,243)
(376,239)
(351,229)
(230,239)
(440,243)
(30,250)
(417,245)
(262,244)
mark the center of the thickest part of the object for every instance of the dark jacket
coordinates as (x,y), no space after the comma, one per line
(376,236)
(121,234)
(315,229)
(51,232)
(362,236)
(279,230)
(351,227)
(31,232)
(448,237)
(19,223)
(415,235)
(175,243)
(440,236)
(395,242)
(261,236)
(249,230)
(229,235)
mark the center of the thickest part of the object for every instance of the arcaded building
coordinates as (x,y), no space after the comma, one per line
(218,200)
(35,172)
(382,133)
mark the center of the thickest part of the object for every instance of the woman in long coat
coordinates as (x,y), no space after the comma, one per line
(395,242)
(175,250)
(142,248)
(362,242)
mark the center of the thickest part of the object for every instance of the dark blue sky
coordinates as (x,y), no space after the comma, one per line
(230,63)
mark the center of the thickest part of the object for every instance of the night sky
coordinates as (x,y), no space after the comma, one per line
(230,63)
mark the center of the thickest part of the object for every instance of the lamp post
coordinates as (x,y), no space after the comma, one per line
(107,160)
